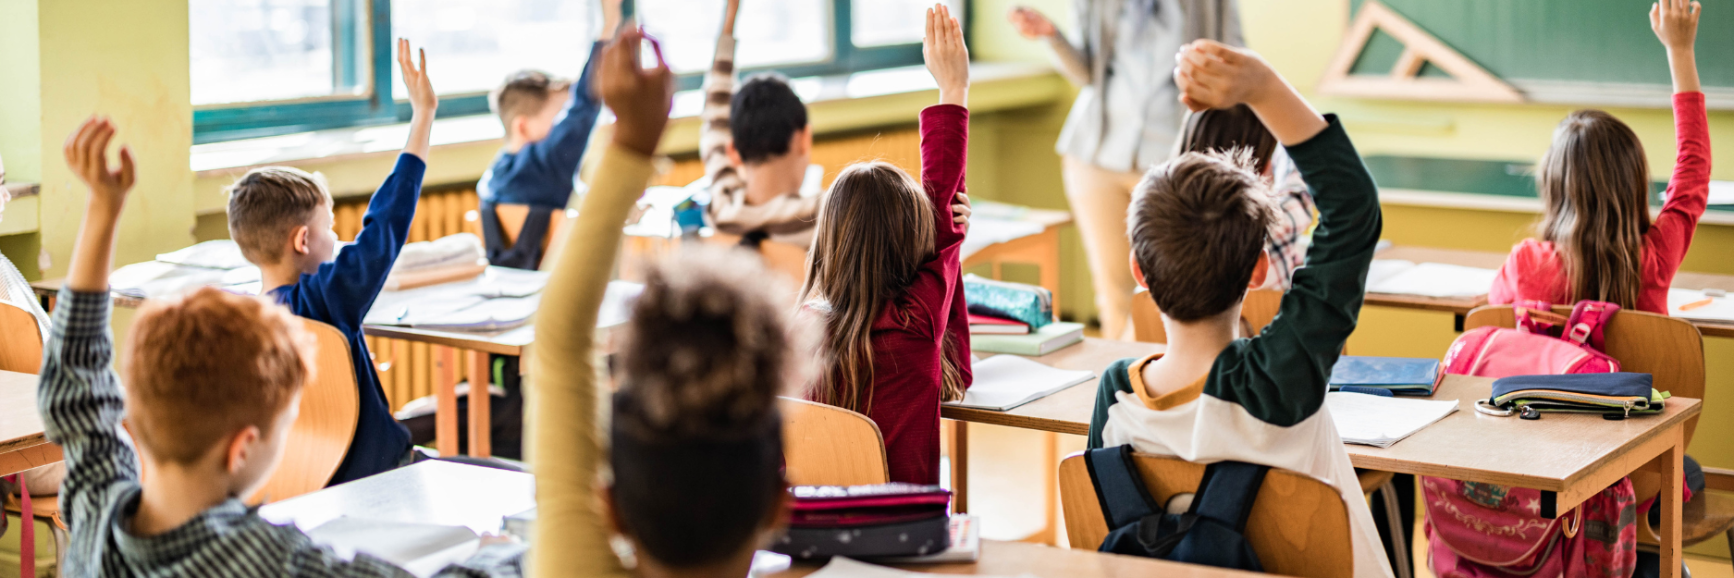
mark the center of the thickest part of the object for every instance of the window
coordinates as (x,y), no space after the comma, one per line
(269,67)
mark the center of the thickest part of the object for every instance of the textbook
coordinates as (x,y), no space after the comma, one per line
(1401,375)
(990,325)
(1372,420)
(1050,338)
(1003,382)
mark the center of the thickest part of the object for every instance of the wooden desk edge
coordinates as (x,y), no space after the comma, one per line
(469,343)
(1008,419)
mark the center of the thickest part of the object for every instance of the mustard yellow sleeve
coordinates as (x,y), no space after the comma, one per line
(568,412)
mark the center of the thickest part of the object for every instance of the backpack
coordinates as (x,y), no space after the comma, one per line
(1211,532)
(1478,530)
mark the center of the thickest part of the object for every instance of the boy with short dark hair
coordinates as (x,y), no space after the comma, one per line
(1198,230)
(756,146)
(213,386)
(281,218)
(548,123)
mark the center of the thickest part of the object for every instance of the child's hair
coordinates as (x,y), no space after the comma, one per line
(764,116)
(1197,228)
(697,438)
(269,202)
(875,229)
(525,92)
(202,367)
(1595,184)
(1226,129)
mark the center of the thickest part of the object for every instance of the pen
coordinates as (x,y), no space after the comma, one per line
(1697,304)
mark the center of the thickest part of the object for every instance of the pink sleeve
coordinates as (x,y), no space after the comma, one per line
(938,286)
(1504,290)
(1688,190)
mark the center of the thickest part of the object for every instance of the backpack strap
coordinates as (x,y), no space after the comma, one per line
(1119,488)
(1536,316)
(1227,492)
(1588,318)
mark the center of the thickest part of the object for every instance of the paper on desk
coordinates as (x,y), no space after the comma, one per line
(1003,382)
(984,232)
(1382,421)
(1434,280)
(422,549)
(1719,309)
(218,254)
(841,567)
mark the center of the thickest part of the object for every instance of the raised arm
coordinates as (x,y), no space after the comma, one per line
(422,100)
(1675,23)
(945,128)
(567,448)
(1072,60)
(714,136)
(80,397)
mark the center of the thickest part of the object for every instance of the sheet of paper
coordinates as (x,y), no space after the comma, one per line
(841,567)
(1382,421)
(1003,382)
(1382,269)
(421,548)
(984,232)
(1436,280)
(218,254)
(1719,309)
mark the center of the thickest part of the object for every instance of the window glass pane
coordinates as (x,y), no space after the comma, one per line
(253,50)
(887,22)
(472,45)
(771,32)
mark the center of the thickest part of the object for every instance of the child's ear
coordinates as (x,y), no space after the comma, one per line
(734,155)
(1137,272)
(240,446)
(802,141)
(1260,271)
(298,240)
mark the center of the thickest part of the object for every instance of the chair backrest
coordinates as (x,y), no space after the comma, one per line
(1147,319)
(512,222)
(786,260)
(1256,311)
(320,437)
(1259,309)
(1669,349)
(825,445)
(1299,525)
(20,340)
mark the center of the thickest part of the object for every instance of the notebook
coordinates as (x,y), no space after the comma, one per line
(841,567)
(1720,308)
(1377,421)
(1003,382)
(1428,279)
(422,549)
(1048,339)
(990,325)
(1404,375)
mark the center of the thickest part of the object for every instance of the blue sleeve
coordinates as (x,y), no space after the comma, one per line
(342,291)
(560,152)
(81,403)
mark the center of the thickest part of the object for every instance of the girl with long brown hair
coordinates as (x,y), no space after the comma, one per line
(884,276)
(1596,238)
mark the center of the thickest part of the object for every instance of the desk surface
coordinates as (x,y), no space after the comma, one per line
(1458,305)
(1067,411)
(20,425)
(1017,558)
(430,492)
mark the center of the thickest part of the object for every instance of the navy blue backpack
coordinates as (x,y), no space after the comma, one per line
(1211,532)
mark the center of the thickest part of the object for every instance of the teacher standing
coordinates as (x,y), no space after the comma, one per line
(1125,120)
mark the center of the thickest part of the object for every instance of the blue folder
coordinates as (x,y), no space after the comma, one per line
(1400,375)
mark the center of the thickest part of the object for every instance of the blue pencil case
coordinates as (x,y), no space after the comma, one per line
(1621,394)
(1030,304)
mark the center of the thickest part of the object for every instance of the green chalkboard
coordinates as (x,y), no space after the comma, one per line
(1564,50)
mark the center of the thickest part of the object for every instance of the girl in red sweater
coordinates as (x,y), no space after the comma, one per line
(1597,241)
(884,275)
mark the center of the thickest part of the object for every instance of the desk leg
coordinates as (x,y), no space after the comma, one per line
(960,466)
(446,390)
(1049,262)
(1672,551)
(481,418)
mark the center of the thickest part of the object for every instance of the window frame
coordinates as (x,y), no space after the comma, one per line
(357,24)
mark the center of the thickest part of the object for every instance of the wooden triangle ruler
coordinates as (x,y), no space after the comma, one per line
(1469,82)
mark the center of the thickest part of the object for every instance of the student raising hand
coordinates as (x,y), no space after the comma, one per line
(1675,23)
(639,97)
(947,58)
(422,100)
(87,156)
(1213,75)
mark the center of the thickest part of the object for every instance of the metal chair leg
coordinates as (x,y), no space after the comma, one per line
(1394,520)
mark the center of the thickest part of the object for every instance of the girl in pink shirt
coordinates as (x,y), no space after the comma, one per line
(1596,238)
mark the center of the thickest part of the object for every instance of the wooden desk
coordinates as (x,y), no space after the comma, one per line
(1686,280)
(23,445)
(1456,305)
(1041,249)
(430,492)
(1013,559)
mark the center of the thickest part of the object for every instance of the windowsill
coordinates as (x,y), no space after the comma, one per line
(836,103)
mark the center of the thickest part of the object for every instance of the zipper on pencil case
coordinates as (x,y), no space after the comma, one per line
(1627,403)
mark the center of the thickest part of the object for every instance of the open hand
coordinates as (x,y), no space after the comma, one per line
(947,58)
(1031,23)
(422,99)
(960,211)
(1675,23)
(1213,75)
(640,98)
(87,156)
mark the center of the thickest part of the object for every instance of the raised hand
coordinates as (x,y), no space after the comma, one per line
(947,58)
(1212,75)
(640,98)
(422,100)
(611,17)
(729,13)
(87,155)
(1675,23)
(1031,23)
(960,211)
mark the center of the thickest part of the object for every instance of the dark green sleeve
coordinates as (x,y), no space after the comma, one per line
(1281,375)
(1113,380)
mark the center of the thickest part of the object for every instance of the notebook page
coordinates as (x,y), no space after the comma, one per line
(841,567)
(1003,382)
(1436,280)
(1719,309)
(402,543)
(1382,421)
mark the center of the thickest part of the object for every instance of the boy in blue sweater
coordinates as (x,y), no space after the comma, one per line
(548,123)
(281,217)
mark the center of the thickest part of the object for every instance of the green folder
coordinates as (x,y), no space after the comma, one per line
(1050,338)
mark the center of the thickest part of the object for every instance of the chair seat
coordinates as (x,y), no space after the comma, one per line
(41,507)
(1706,516)
(1371,480)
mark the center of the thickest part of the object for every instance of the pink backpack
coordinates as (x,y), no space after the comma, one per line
(1478,530)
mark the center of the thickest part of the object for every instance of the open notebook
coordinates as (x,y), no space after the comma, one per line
(1003,382)
(422,549)
(1372,420)
(841,567)
(1400,277)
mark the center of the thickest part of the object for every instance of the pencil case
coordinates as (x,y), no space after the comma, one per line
(1611,394)
(869,505)
(1030,304)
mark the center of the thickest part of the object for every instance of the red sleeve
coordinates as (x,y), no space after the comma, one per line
(1688,191)
(938,289)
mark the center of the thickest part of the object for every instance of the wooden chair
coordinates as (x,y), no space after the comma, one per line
(512,222)
(1256,311)
(1299,525)
(330,406)
(20,339)
(785,260)
(1672,351)
(825,445)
